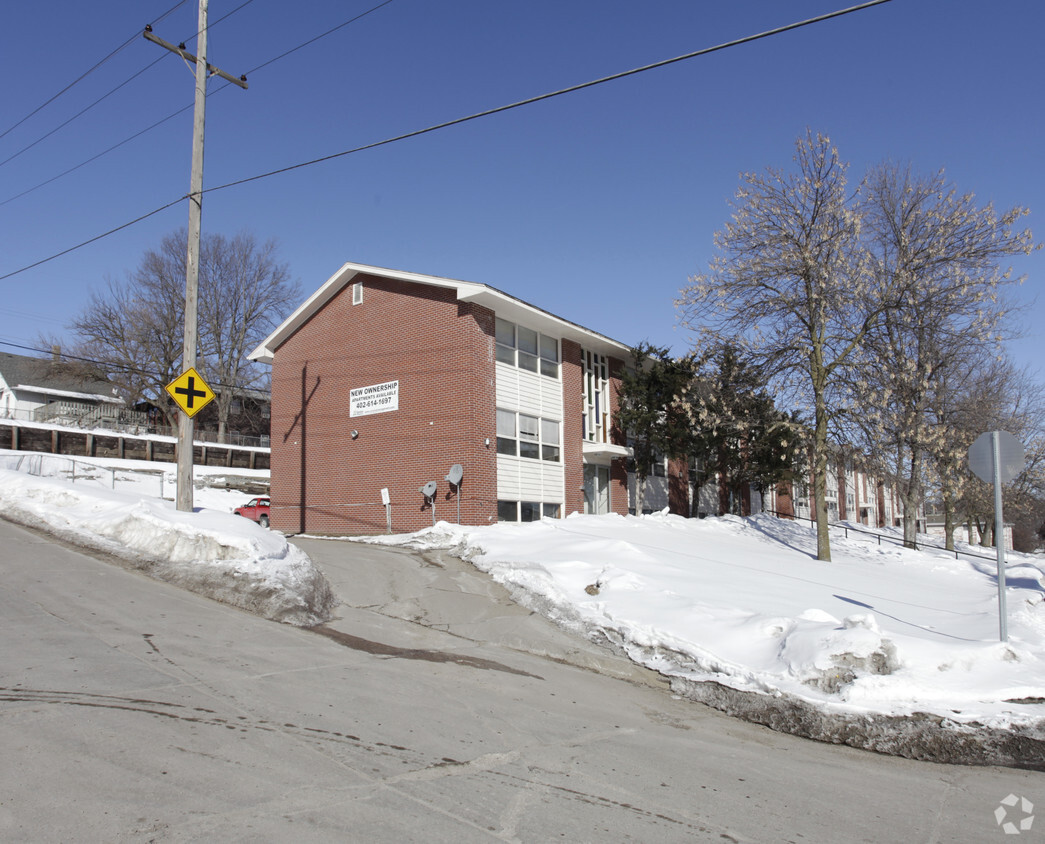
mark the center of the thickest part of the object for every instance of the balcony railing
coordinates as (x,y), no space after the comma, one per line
(81,415)
(121,420)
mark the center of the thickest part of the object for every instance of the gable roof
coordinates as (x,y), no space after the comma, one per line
(501,303)
(51,377)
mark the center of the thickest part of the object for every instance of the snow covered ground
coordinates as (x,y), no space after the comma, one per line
(743,603)
(124,507)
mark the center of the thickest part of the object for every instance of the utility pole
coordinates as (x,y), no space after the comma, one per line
(192,263)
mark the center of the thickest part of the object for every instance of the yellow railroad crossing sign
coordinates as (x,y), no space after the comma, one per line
(190,392)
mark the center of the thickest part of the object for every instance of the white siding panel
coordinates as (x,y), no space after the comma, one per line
(522,479)
(554,483)
(507,386)
(517,389)
(529,395)
(508,478)
(551,398)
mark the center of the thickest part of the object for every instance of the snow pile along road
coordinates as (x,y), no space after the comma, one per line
(216,554)
(884,647)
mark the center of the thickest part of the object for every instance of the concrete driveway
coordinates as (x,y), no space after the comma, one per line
(441,592)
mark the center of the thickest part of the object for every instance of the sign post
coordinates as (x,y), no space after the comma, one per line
(997,457)
(387,501)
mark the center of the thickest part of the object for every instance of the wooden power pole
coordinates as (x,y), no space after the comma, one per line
(192,263)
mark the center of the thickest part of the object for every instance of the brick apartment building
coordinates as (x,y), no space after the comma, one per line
(384,380)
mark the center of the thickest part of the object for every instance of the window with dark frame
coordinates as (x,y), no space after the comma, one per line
(527,349)
(522,435)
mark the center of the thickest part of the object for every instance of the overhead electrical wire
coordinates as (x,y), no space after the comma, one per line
(109,93)
(87,73)
(539,98)
(188,107)
(126,367)
(314,40)
(81,112)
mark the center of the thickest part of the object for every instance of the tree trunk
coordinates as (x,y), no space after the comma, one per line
(640,493)
(823,539)
(910,499)
(948,522)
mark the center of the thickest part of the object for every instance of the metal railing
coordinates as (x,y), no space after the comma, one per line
(76,471)
(82,415)
(892,540)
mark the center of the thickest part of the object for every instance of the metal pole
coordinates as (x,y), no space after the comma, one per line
(192,262)
(999,537)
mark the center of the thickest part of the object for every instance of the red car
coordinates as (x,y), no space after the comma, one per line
(257,510)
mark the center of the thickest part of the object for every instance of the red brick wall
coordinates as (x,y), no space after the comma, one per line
(572,427)
(619,467)
(785,502)
(678,486)
(441,351)
(843,510)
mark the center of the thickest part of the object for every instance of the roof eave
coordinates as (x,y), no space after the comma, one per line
(499,302)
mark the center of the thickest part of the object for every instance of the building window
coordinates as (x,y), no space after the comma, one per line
(527,349)
(596,412)
(522,435)
(506,435)
(549,440)
(527,511)
(357,293)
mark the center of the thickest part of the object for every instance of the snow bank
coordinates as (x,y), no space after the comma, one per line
(742,604)
(216,554)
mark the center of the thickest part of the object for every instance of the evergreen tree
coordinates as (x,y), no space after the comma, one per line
(653,410)
(737,428)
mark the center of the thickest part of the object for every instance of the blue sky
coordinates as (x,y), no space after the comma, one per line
(597,205)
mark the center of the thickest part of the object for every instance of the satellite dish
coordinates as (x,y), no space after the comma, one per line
(456,473)
(428,490)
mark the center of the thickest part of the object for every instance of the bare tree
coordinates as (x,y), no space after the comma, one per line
(134,329)
(939,252)
(245,293)
(792,287)
(1011,400)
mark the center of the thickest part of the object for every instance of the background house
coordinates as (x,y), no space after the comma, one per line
(52,390)
(384,380)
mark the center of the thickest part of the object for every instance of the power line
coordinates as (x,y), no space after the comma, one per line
(112,91)
(110,365)
(317,38)
(87,73)
(539,98)
(89,241)
(81,112)
(100,154)
(185,108)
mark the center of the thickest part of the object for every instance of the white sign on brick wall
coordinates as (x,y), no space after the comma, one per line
(377,398)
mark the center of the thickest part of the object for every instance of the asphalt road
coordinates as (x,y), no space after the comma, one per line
(432,709)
